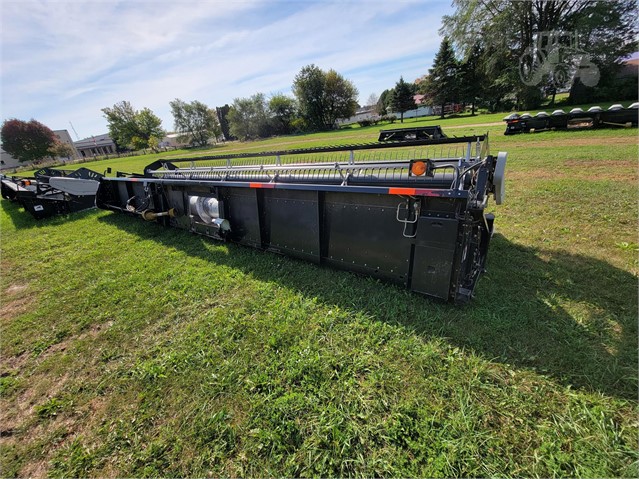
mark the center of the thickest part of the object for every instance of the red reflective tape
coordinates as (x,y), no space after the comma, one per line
(401,191)
(261,185)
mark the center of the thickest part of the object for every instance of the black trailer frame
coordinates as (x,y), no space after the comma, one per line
(575,119)
(37,195)
(411,213)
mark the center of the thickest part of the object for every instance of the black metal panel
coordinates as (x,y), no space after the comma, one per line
(39,208)
(406,134)
(558,121)
(243,213)
(291,223)
(435,246)
(626,115)
(362,234)
(432,268)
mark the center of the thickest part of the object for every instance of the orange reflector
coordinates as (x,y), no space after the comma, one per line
(27,182)
(401,191)
(418,168)
(261,185)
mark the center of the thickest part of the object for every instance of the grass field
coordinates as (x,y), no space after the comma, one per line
(131,350)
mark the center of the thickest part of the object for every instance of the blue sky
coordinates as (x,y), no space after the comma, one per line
(63,61)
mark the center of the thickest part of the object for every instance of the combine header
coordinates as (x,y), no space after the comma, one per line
(410,212)
(52,191)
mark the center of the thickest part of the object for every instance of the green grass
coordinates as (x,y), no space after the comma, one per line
(133,350)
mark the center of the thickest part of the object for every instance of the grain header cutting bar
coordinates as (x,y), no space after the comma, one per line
(409,212)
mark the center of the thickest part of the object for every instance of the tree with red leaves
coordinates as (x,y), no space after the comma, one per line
(27,141)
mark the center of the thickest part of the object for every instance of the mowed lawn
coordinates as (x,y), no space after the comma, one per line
(131,350)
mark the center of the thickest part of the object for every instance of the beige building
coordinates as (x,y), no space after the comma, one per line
(64,137)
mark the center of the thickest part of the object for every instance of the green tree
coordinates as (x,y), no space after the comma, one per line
(248,118)
(60,149)
(282,110)
(443,78)
(131,128)
(27,141)
(154,144)
(383,103)
(517,38)
(340,98)
(472,79)
(402,98)
(222,116)
(324,97)
(195,122)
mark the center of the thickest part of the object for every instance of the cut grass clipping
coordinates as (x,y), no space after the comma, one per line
(133,350)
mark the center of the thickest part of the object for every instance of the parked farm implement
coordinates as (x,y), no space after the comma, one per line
(406,212)
(575,119)
(52,191)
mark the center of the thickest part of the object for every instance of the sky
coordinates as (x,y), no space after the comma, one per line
(63,61)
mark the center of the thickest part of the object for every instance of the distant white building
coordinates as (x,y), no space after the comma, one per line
(421,110)
(370,113)
(7,161)
(175,140)
(95,146)
(365,113)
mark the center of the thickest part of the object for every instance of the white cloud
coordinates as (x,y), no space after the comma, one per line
(65,61)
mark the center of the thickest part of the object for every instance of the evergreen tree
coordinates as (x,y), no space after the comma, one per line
(442,86)
(384,102)
(402,98)
(471,77)
(222,116)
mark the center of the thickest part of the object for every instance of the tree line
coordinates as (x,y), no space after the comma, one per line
(513,54)
(496,54)
(501,55)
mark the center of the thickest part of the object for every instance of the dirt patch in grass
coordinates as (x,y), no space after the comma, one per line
(13,304)
(11,309)
(15,288)
(14,363)
(15,413)
(91,333)
(35,469)
(19,411)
